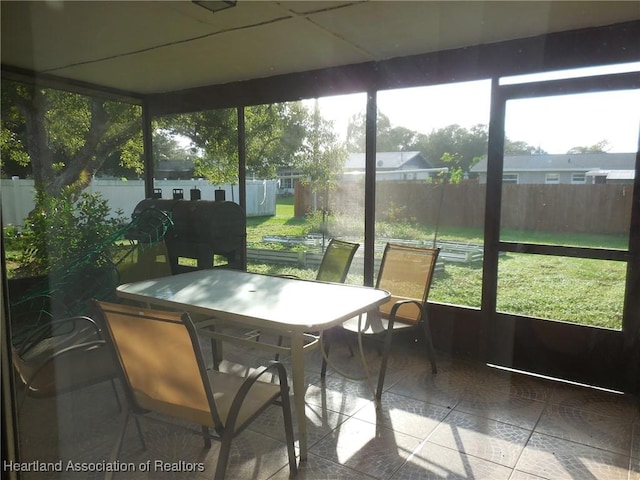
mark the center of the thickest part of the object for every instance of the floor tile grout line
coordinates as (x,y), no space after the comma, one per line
(634,430)
(582,444)
(447,416)
(424,441)
(590,412)
(533,430)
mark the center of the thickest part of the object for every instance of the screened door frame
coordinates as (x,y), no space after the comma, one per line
(510,340)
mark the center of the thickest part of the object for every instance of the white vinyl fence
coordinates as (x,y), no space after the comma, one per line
(18,195)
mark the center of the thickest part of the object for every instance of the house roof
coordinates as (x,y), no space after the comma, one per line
(153,47)
(563,162)
(613,174)
(388,161)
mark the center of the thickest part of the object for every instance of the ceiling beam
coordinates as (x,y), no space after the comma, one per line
(571,49)
(46,80)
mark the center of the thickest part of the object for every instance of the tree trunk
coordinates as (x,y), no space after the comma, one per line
(100,140)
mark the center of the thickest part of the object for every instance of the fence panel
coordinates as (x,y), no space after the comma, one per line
(18,195)
(599,208)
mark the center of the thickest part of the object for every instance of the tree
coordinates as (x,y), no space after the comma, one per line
(388,138)
(274,136)
(463,146)
(213,134)
(356,133)
(520,148)
(66,137)
(323,156)
(600,147)
(453,146)
(167,148)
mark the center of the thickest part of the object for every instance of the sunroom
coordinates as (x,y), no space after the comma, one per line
(537,278)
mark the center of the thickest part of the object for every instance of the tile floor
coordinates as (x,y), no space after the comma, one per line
(468,421)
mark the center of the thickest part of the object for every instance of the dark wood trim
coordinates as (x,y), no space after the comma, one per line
(560,350)
(242,175)
(493,200)
(242,159)
(612,82)
(631,312)
(570,49)
(147,149)
(46,80)
(371,130)
(9,408)
(280,88)
(571,351)
(565,251)
(457,330)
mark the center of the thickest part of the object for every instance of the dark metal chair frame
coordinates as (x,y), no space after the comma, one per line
(224,429)
(76,339)
(378,324)
(327,272)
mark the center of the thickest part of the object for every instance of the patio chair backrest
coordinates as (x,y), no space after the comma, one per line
(144,263)
(162,363)
(406,272)
(74,346)
(336,261)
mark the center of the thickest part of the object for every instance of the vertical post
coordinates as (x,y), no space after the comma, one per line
(493,201)
(242,176)
(10,442)
(631,312)
(370,186)
(147,150)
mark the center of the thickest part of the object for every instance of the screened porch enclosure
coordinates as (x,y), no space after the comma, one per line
(539,269)
(495,235)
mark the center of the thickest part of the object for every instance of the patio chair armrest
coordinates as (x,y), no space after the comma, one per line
(249,382)
(85,346)
(400,303)
(44,331)
(256,374)
(32,311)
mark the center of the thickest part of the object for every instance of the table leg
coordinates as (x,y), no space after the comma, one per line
(299,389)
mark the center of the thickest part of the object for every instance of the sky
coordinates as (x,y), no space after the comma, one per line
(555,124)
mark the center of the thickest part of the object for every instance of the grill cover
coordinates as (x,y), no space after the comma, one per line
(202,230)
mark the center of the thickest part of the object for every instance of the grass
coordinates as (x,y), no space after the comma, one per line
(584,291)
(575,290)
(283,223)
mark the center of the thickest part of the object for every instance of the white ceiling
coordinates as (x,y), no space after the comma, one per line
(152,47)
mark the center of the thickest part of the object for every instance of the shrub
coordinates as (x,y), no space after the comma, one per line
(62,229)
(11,236)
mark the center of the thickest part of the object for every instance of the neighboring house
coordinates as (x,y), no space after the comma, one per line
(391,166)
(287,179)
(585,168)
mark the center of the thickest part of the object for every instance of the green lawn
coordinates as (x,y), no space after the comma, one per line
(283,223)
(576,290)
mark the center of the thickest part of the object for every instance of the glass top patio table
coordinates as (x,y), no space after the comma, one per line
(287,306)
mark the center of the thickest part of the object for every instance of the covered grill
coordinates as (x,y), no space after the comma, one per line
(203,231)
